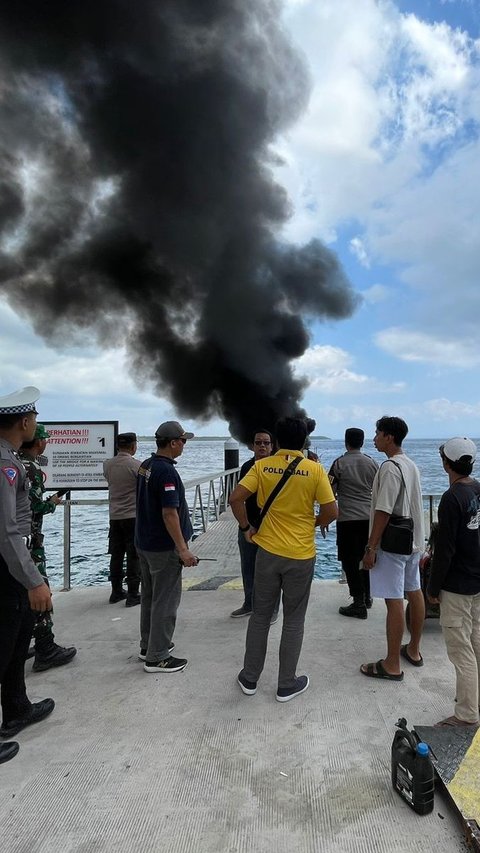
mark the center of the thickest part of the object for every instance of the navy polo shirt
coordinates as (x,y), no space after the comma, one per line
(159,486)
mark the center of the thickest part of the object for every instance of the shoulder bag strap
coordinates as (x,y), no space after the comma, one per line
(283,479)
(403,481)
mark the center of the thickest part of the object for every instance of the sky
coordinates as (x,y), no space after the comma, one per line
(384,167)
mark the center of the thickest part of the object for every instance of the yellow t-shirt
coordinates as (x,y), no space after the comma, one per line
(289,525)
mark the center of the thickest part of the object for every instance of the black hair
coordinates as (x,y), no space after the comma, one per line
(354,437)
(264,432)
(291,433)
(7,421)
(462,466)
(395,427)
(311,424)
(126,439)
(163,442)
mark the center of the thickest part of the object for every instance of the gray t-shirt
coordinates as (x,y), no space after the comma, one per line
(389,494)
(351,477)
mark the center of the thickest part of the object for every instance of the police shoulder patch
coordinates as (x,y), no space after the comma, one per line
(10,473)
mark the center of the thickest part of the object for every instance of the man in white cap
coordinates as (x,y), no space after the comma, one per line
(162,531)
(454,581)
(23,591)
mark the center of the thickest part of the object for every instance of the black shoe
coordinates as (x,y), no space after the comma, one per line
(168,665)
(143,652)
(57,656)
(248,687)
(359,611)
(8,751)
(117,596)
(242,611)
(284,694)
(132,600)
(368,603)
(37,712)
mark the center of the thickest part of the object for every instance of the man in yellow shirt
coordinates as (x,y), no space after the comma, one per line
(286,552)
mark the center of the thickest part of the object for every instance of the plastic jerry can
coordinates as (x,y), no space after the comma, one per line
(413,774)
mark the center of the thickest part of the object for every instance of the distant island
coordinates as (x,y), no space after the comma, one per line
(225,438)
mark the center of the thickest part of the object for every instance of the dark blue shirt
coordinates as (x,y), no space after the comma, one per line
(158,487)
(456,555)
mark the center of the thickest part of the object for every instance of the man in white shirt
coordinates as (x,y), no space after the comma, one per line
(396,491)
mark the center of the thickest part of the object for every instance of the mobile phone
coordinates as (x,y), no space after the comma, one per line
(60,493)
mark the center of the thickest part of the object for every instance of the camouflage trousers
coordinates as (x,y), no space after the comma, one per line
(43,629)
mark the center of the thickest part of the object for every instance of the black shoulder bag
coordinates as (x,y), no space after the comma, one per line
(273,494)
(397,538)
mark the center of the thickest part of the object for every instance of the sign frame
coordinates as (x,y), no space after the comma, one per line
(52,484)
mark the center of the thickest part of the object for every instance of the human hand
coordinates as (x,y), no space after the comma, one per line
(249,533)
(55,499)
(40,598)
(368,561)
(187,558)
(432,600)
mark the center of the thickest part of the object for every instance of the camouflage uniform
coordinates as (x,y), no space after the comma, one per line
(47,653)
(43,633)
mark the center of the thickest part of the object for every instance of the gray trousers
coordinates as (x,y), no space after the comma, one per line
(161,593)
(274,574)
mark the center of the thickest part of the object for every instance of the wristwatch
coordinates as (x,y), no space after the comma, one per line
(369,548)
(244,529)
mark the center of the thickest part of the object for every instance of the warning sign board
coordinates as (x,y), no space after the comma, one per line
(75,453)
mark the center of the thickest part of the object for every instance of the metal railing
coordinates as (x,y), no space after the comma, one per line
(210,499)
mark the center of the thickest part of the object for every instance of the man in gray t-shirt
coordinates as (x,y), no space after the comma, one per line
(351,477)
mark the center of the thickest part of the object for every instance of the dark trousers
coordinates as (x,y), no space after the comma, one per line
(248,554)
(120,542)
(161,594)
(274,574)
(352,536)
(16,628)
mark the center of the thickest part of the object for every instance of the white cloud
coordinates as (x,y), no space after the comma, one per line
(357,248)
(328,371)
(390,142)
(375,294)
(424,347)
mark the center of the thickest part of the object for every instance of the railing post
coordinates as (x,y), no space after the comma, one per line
(66,542)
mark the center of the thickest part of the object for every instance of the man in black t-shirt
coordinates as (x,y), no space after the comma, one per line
(262,446)
(455,576)
(162,531)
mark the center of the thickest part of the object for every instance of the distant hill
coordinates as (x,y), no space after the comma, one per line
(224,438)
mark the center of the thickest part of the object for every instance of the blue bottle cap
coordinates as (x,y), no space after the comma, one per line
(422,748)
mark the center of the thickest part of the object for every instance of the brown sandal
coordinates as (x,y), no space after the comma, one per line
(453,722)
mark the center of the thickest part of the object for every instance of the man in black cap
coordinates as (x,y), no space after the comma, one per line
(162,531)
(23,591)
(120,473)
(351,477)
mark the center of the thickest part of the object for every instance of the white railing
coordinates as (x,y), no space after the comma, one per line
(210,499)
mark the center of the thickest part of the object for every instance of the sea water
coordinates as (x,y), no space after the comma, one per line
(89,530)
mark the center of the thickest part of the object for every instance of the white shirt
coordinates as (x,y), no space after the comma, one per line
(389,494)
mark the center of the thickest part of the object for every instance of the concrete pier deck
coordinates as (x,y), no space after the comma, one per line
(185,763)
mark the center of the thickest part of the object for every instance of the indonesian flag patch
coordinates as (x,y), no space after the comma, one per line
(169,487)
(11,474)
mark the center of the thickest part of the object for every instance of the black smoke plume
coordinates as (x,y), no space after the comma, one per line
(137,196)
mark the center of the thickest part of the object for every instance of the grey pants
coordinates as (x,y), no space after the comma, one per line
(274,574)
(161,593)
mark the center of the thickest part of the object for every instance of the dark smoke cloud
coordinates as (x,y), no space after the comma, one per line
(137,196)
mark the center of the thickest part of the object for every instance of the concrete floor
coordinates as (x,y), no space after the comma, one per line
(185,763)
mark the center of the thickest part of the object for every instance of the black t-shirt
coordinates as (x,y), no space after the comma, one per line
(456,557)
(159,486)
(251,506)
